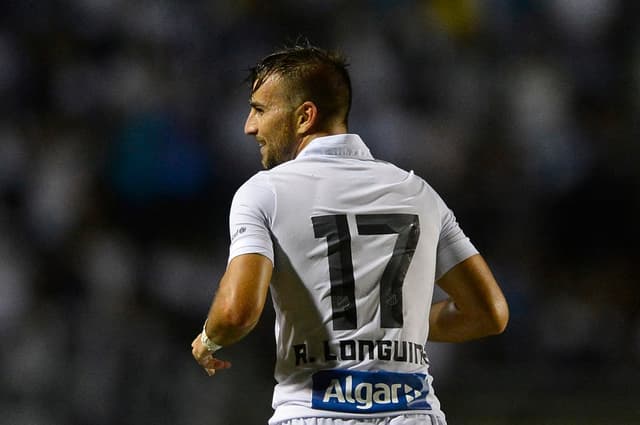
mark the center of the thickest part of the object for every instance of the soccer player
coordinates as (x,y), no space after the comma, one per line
(350,248)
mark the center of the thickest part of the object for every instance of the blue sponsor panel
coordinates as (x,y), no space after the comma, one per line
(353,391)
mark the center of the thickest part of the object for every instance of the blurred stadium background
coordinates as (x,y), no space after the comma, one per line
(121,145)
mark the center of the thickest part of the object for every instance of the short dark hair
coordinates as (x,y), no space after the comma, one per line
(312,74)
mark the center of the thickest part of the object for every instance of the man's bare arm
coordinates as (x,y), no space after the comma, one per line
(236,308)
(476,306)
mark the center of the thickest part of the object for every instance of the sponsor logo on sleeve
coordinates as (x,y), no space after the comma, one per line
(237,232)
(364,392)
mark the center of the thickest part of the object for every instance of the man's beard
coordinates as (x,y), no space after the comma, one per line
(272,159)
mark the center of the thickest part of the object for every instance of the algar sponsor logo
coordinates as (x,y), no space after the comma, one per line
(361,392)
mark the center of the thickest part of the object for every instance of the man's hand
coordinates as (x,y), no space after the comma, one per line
(205,358)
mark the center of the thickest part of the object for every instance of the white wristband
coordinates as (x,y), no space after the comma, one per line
(210,345)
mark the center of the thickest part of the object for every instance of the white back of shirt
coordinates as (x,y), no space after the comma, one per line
(357,245)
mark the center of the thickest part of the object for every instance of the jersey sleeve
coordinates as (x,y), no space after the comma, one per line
(250,218)
(453,245)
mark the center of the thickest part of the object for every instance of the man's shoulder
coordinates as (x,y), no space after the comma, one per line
(269,179)
(400,171)
(259,182)
(282,171)
(261,178)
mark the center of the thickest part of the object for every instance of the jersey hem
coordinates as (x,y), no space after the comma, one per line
(294,412)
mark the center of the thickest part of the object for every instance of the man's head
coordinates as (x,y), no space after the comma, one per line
(298,93)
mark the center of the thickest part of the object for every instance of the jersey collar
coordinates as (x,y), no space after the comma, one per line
(342,145)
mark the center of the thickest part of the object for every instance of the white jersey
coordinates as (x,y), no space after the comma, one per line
(357,245)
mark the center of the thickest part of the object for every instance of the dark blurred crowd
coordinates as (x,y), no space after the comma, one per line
(121,145)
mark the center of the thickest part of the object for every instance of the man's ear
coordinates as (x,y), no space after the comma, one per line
(306,117)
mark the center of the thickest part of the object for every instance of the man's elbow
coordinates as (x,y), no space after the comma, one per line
(237,320)
(498,318)
(231,324)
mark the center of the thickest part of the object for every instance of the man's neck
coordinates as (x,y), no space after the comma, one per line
(338,129)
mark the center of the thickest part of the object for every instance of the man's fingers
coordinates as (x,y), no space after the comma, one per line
(213,363)
(222,364)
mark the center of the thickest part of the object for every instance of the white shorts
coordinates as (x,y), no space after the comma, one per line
(417,419)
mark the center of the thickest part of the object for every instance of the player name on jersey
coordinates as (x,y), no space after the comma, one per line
(362,349)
